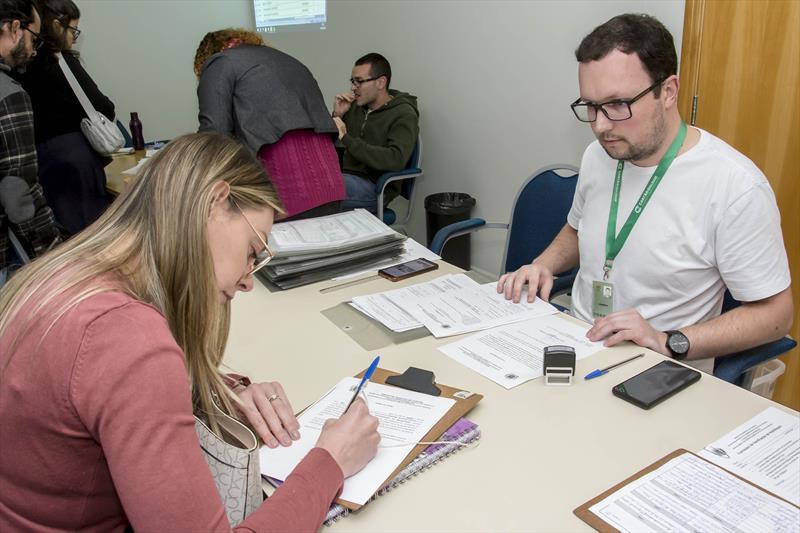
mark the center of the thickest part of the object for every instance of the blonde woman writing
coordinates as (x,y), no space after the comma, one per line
(109,343)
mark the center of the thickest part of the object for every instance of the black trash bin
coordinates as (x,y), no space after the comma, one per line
(446,208)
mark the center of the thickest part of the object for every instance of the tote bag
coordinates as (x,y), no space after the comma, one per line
(102,134)
(234,464)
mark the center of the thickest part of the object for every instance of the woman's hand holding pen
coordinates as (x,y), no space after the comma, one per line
(269,413)
(352,440)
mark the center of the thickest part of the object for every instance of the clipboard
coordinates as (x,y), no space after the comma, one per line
(601,525)
(465,401)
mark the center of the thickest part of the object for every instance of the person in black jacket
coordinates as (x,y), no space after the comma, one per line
(70,171)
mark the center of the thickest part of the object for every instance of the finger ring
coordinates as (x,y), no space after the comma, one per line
(272,398)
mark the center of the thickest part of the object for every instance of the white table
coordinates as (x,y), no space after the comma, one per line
(544,450)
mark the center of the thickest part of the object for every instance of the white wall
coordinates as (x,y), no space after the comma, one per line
(494,78)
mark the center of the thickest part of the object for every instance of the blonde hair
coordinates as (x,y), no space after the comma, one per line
(152,244)
(216,41)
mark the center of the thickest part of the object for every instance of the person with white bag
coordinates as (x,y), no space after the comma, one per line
(71,171)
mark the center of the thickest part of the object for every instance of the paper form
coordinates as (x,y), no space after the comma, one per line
(764,450)
(690,494)
(390,308)
(511,355)
(326,233)
(473,309)
(449,305)
(405,417)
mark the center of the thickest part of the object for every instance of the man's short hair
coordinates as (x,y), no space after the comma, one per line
(633,33)
(378,66)
(21,10)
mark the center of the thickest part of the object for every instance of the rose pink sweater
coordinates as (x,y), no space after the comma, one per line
(96,432)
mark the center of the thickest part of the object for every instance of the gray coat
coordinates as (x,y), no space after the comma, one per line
(257,93)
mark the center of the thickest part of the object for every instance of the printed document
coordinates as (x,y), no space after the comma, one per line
(405,418)
(473,309)
(764,450)
(690,494)
(513,354)
(390,307)
(449,305)
(327,233)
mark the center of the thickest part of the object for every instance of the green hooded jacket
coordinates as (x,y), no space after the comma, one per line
(382,140)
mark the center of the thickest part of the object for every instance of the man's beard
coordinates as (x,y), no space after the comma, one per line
(20,57)
(638,152)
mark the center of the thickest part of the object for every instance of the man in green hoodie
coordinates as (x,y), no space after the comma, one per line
(378,133)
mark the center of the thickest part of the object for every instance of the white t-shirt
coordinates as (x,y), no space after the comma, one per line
(712,223)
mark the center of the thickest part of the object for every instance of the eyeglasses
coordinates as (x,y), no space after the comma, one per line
(265,256)
(37,39)
(358,81)
(615,110)
(75,32)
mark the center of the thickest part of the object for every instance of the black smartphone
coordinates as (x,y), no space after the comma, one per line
(656,384)
(407,269)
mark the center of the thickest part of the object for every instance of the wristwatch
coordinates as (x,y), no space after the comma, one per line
(677,344)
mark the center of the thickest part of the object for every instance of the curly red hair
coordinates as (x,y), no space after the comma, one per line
(217,41)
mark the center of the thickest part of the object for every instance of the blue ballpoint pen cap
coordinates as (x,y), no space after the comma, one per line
(372,367)
(595,374)
(365,379)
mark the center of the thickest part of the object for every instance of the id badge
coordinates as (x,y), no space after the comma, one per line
(602,298)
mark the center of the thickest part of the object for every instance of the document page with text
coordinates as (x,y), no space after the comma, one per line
(690,494)
(405,417)
(513,354)
(764,450)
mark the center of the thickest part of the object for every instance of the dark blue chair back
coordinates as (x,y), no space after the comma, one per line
(407,186)
(734,368)
(125,134)
(540,211)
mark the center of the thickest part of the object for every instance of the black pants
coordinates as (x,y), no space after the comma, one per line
(73,180)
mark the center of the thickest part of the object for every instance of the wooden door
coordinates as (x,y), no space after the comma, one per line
(740,80)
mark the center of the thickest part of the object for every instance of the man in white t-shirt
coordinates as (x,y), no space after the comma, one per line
(693,215)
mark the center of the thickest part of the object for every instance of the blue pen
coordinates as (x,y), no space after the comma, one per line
(602,371)
(367,375)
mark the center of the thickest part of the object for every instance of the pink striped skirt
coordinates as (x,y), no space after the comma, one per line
(304,168)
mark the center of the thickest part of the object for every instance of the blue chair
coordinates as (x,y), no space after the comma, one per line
(738,368)
(408,176)
(539,212)
(17,248)
(125,135)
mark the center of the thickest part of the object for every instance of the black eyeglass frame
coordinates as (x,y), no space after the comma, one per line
(75,32)
(37,41)
(600,107)
(357,82)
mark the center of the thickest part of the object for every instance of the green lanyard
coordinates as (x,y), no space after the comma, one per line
(614,244)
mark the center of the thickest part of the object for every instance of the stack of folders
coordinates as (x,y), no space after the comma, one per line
(316,249)
(462,432)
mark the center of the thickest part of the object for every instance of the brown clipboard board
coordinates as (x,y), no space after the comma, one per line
(458,410)
(601,525)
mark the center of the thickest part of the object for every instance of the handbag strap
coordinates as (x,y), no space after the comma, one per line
(247,439)
(76,87)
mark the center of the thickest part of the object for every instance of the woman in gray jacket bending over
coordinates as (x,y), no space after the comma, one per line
(271,103)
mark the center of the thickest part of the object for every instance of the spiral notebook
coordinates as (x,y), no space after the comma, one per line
(463,431)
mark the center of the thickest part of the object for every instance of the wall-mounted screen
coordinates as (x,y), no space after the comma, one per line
(289,15)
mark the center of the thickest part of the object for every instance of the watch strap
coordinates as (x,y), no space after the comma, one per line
(673,353)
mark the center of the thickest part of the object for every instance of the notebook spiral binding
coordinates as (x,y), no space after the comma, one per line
(463,431)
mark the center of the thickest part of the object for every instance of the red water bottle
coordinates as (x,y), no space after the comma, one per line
(136,132)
